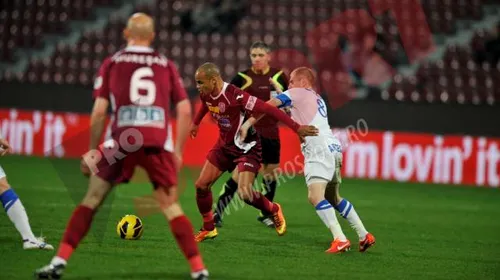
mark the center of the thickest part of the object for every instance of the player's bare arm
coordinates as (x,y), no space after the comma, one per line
(183,110)
(270,108)
(97,124)
(193,130)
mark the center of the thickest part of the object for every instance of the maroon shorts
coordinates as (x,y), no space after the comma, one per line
(226,158)
(118,167)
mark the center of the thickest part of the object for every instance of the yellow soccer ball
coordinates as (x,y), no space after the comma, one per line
(130,227)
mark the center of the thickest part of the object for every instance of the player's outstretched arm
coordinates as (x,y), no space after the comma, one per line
(183,111)
(262,107)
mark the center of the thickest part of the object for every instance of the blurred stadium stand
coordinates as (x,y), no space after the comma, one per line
(463,67)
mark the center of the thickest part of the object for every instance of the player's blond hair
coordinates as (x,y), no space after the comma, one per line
(305,72)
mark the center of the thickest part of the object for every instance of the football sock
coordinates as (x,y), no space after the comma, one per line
(183,232)
(326,213)
(260,202)
(270,186)
(225,198)
(77,228)
(346,210)
(17,214)
(204,201)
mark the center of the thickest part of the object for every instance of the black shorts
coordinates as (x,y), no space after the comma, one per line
(270,150)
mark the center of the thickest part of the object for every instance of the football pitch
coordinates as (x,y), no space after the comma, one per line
(422,231)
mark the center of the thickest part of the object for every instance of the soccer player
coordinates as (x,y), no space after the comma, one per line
(259,81)
(140,85)
(229,106)
(15,209)
(322,157)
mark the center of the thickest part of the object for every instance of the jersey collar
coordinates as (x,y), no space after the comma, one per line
(221,92)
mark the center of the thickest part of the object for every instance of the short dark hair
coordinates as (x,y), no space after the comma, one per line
(260,45)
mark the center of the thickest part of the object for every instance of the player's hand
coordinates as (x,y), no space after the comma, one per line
(276,85)
(193,131)
(4,147)
(84,168)
(307,130)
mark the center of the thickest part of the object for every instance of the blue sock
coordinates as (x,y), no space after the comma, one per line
(8,198)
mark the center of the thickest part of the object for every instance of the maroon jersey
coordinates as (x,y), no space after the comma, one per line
(141,85)
(230,108)
(258,85)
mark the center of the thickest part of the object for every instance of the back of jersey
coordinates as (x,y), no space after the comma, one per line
(140,85)
(307,108)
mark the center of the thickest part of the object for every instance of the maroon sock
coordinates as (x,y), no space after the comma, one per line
(260,202)
(77,228)
(183,232)
(204,201)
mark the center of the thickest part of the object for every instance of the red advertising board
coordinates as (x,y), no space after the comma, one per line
(405,157)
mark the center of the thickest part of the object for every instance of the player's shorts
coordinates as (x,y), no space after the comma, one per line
(160,165)
(227,158)
(323,165)
(270,150)
(2,173)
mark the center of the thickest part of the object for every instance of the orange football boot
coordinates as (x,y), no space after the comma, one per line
(279,221)
(367,242)
(338,246)
(203,235)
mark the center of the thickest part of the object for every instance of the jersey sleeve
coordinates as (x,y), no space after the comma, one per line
(178,90)
(285,98)
(255,105)
(101,82)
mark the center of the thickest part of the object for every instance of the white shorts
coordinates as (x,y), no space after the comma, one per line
(323,165)
(2,173)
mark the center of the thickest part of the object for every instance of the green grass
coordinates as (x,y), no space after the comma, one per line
(422,231)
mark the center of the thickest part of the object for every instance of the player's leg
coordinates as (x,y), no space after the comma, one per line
(316,195)
(181,228)
(247,168)
(347,211)
(269,182)
(100,184)
(211,171)
(270,160)
(17,214)
(162,171)
(77,228)
(228,192)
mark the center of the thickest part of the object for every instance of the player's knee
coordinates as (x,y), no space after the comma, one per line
(166,197)
(4,185)
(202,185)
(93,199)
